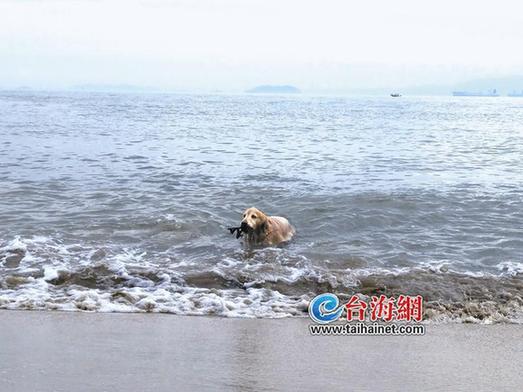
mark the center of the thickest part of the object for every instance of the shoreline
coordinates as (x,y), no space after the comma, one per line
(80,351)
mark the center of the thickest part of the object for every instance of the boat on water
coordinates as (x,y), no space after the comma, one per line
(489,93)
(395,95)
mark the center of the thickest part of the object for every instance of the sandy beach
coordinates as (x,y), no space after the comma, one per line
(60,351)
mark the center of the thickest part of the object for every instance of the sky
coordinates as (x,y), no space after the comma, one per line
(233,45)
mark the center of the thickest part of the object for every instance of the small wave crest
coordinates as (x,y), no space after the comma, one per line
(47,274)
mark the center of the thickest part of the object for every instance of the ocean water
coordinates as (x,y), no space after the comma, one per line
(120,202)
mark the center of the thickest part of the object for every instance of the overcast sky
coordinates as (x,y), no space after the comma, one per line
(236,44)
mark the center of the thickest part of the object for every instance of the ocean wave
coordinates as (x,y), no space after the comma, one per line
(42,273)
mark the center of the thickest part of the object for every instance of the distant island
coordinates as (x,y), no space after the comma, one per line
(273,89)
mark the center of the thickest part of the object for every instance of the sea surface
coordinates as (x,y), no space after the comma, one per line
(120,202)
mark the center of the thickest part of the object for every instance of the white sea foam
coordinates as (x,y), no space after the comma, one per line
(15,244)
(271,283)
(511,268)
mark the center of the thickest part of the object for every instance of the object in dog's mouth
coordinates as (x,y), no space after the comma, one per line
(238,231)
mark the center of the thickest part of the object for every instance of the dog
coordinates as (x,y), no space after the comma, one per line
(261,229)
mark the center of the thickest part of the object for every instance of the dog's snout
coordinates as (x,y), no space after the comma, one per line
(244,226)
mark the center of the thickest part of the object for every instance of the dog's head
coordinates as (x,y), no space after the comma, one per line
(253,220)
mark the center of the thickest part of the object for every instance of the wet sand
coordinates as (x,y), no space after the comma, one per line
(58,351)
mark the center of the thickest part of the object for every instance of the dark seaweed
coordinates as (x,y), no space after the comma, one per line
(238,231)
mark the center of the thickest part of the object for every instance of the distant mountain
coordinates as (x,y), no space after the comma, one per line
(273,89)
(502,85)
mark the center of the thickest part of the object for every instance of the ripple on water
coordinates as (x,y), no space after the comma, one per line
(119,202)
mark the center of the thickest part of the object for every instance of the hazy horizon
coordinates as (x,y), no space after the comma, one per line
(233,45)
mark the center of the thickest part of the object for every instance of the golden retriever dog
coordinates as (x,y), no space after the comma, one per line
(261,229)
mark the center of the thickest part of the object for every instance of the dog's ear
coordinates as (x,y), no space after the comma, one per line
(264,226)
